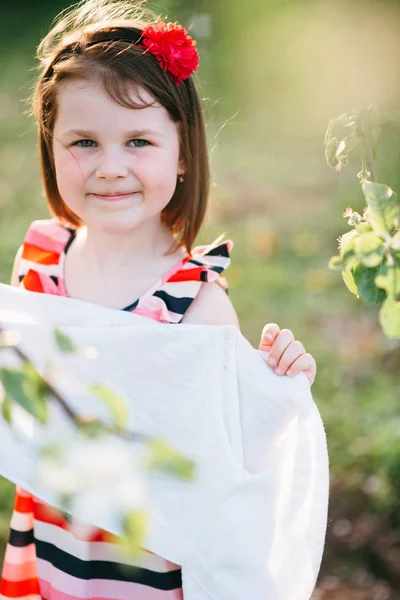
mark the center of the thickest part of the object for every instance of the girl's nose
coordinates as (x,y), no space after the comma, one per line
(111,165)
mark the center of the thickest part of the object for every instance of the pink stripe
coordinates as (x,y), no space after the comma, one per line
(52,237)
(49,287)
(153,307)
(62,290)
(156,315)
(48,593)
(57,585)
(19,572)
(25,554)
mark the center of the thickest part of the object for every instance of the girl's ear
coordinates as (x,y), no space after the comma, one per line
(181,167)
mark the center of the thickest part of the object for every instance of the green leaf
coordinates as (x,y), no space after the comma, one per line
(346,147)
(348,278)
(364,228)
(331,125)
(347,249)
(330,152)
(64,343)
(166,459)
(134,528)
(114,402)
(347,241)
(347,120)
(383,207)
(389,280)
(395,242)
(6,409)
(369,249)
(389,318)
(364,279)
(28,389)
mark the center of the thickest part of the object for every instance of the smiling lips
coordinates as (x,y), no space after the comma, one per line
(113,197)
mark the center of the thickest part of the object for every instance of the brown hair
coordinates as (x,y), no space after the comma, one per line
(97,39)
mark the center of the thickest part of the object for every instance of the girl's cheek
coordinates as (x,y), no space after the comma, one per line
(73,165)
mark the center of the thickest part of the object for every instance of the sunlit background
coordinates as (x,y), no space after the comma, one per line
(272,75)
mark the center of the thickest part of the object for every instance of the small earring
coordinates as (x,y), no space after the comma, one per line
(180,179)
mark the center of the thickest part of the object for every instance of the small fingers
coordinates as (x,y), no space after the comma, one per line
(281,342)
(269,333)
(292,353)
(306,363)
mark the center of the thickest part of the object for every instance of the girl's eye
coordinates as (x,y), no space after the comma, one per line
(141,145)
(78,143)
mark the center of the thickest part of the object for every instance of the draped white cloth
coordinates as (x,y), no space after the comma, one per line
(252,523)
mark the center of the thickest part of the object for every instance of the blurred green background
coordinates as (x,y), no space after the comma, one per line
(272,74)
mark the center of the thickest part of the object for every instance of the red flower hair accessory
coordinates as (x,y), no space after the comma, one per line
(174,49)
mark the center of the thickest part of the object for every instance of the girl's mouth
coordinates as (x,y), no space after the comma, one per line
(114,197)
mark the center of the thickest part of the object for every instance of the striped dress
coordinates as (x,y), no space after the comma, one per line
(46,557)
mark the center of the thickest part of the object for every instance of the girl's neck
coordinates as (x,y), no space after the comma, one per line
(108,251)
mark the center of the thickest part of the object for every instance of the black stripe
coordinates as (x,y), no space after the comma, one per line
(216,269)
(54,278)
(71,239)
(176,305)
(100,569)
(219,251)
(196,262)
(131,306)
(21,538)
(20,277)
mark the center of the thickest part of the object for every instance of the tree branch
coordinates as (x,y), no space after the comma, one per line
(79,421)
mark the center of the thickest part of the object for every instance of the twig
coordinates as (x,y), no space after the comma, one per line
(77,419)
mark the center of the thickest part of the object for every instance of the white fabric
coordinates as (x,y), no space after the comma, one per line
(253,523)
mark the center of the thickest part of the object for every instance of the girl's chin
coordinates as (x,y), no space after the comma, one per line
(121,222)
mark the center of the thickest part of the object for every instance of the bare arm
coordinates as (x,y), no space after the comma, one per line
(15,271)
(211,306)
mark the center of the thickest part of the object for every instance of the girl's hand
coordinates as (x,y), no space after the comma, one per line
(289,354)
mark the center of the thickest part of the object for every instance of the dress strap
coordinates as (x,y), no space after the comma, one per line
(172,299)
(42,248)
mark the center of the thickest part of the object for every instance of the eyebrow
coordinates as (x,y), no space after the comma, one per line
(130,134)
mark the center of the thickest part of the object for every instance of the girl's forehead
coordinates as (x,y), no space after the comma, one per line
(87,100)
(94,90)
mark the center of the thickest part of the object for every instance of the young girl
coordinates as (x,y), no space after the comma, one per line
(125,172)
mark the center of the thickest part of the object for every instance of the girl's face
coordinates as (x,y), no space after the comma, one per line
(101,147)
